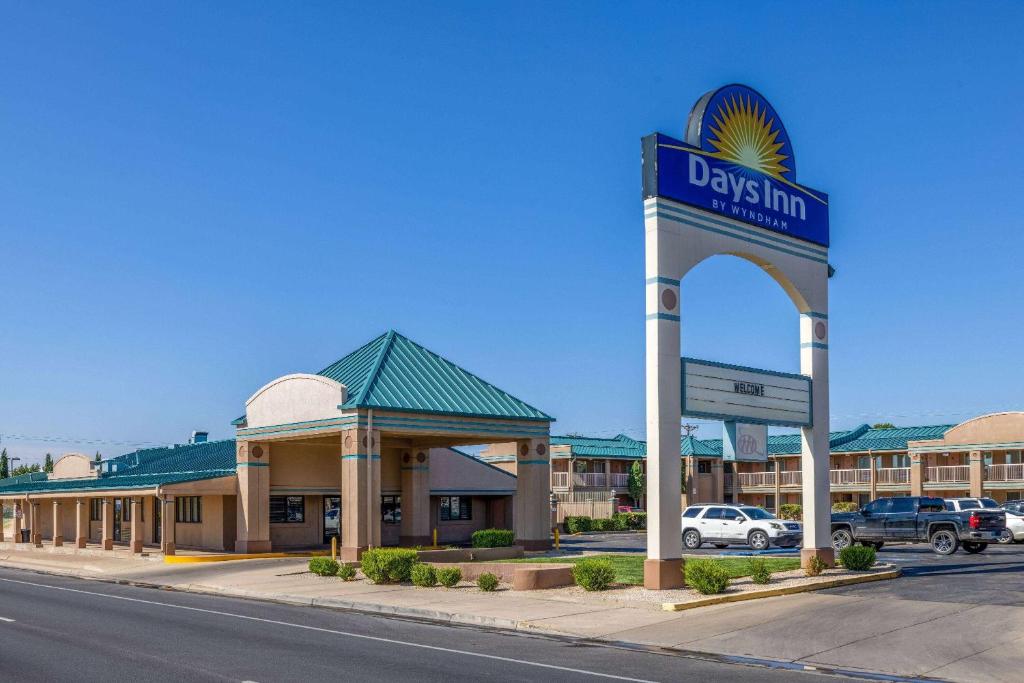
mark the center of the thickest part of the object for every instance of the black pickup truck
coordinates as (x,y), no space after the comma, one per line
(917,519)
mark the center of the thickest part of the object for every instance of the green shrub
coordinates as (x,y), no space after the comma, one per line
(593,575)
(346,572)
(858,558)
(388,565)
(759,572)
(636,521)
(846,506)
(815,566)
(620,521)
(323,566)
(706,576)
(423,575)
(493,538)
(791,511)
(487,582)
(449,576)
(578,524)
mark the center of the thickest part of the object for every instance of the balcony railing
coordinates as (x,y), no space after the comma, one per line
(791,478)
(559,480)
(849,477)
(1004,473)
(755,479)
(893,475)
(949,474)
(619,480)
(599,480)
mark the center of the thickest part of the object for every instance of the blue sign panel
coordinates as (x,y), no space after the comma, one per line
(737,161)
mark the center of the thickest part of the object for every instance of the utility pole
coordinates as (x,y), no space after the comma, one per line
(690,429)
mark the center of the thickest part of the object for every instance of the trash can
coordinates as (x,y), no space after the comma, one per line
(26,535)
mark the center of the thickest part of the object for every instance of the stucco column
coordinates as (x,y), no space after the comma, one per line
(778,486)
(916,474)
(136,524)
(107,536)
(415,528)
(718,470)
(532,516)
(81,522)
(37,526)
(19,513)
(2,523)
(58,523)
(168,521)
(814,456)
(873,482)
(253,513)
(360,489)
(977,474)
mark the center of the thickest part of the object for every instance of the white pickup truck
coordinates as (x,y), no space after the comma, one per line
(1014,530)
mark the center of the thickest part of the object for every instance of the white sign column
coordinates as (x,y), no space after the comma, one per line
(663,567)
(814,457)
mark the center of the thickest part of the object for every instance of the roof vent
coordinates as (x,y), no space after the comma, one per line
(199,437)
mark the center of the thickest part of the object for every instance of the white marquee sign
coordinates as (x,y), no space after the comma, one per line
(718,391)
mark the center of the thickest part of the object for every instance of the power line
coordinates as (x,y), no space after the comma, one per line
(68,439)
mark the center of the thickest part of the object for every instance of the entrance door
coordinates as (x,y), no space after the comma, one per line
(332,518)
(118,514)
(157,505)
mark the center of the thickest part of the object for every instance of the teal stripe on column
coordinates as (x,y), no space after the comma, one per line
(358,456)
(662,316)
(253,464)
(814,345)
(533,462)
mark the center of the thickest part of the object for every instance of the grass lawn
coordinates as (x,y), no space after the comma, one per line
(630,568)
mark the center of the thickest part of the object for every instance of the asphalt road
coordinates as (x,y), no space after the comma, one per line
(991,577)
(58,628)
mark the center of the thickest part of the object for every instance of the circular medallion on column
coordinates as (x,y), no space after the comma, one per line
(819,330)
(421,457)
(257,451)
(669,299)
(541,449)
(242,450)
(406,458)
(371,442)
(524,450)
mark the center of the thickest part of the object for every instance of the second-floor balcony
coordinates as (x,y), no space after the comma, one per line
(948,474)
(591,480)
(893,476)
(855,477)
(1007,472)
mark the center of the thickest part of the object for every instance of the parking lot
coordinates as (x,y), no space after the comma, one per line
(991,577)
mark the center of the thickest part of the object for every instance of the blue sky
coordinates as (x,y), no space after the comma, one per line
(197,198)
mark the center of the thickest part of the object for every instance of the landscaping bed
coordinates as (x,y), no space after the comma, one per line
(629,569)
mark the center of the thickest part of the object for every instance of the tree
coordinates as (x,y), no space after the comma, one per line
(5,465)
(25,469)
(883,425)
(48,463)
(98,456)
(637,482)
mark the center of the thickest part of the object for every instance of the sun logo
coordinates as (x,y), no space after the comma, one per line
(742,135)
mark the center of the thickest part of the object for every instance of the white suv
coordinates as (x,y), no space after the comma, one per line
(722,525)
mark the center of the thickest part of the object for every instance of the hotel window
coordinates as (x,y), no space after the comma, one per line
(188,509)
(96,510)
(1013,458)
(126,509)
(287,509)
(987,457)
(456,508)
(769,501)
(703,467)
(899,460)
(391,509)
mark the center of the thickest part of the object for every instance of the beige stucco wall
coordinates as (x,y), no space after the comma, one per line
(306,465)
(307,533)
(209,534)
(72,466)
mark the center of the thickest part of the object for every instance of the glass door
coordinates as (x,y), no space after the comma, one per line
(118,514)
(332,518)
(157,509)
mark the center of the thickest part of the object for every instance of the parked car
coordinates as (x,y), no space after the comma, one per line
(722,525)
(961,504)
(1014,506)
(918,519)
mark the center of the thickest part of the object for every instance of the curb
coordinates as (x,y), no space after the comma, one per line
(189,559)
(774,592)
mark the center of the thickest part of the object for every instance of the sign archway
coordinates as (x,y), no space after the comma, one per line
(729,189)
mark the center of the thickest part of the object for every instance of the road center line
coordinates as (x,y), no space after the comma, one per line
(9,621)
(333,631)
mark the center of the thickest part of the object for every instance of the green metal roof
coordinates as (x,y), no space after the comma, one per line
(144,468)
(858,440)
(620,446)
(395,373)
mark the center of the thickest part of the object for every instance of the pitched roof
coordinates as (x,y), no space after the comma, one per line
(396,373)
(145,468)
(858,440)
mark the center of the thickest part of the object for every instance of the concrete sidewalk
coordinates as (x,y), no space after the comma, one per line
(953,641)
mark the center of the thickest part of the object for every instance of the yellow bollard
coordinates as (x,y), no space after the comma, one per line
(334,548)
(556,538)
(435,537)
